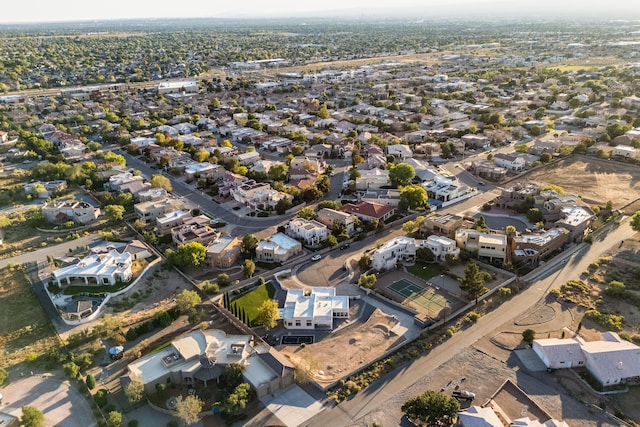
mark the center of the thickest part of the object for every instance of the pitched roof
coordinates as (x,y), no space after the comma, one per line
(373,210)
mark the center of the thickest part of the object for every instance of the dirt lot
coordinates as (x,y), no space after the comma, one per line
(347,348)
(597,181)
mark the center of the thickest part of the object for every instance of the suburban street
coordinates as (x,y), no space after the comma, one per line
(382,390)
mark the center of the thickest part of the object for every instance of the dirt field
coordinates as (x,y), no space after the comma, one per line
(597,181)
(347,349)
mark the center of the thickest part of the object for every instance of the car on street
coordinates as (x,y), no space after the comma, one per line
(480,183)
(345,246)
(316,257)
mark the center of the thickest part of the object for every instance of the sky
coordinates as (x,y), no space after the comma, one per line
(76,10)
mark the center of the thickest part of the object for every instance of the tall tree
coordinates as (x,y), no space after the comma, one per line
(187,299)
(32,417)
(635,221)
(401,174)
(432,408)
(413,196)
(114,212)
(473,281)
(306,213)
(190,254)
(160,181)
(267,315)
(188,409)
(249,245)
(248,268)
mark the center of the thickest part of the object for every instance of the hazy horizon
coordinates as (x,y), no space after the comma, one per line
(47,11)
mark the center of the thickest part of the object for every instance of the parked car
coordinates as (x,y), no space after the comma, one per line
(345,246)
(463,394)
(316,257)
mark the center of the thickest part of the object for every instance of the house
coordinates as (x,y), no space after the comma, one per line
(442,246)
(203,170)
(509,161)
(224,251)
(257,195)
(277,248)
(518,195)
(488,246)
(443,224)
(248,158)
(535,247)
(331,217)
(178,87)
(611,360)
(447,190)
(488,170)
(316,310)
(116,182)
(305,167)
(151,210)
(392,252)
(150,194)
(169,220)
(576,219)
(311,232)
(97,269)
(372,178)
(44,190)
(80,212)
(193,231)
(399,151)
(368,211)
(321,151)
(387,197)
(624,152)
(201,356)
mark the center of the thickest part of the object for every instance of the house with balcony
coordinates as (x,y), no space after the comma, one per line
(80,212)
(201,356)
(311,232)
(315,310)
(387,256)
(223,252)
(441,246)
(277,249)
(488,246)
(331,217)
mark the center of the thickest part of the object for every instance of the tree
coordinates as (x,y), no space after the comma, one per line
(237,401)
(534,215)
(331,240)
(413,196)
(432,408)
(190,254)
(249,245)
(114,212)
(545,157)
(323,112)
(160,181)
(114,419)
(267,315)
(473,281)
(554,187)
(425,254)
(31,417)
(248,268)
(481,224)
(71,369)
(91,382)
(3,376)
(305,369)
(187,299)
(188,409)
(135,390)
(283,205)
(367,280)
(635,221)
(528,335)
(401,174)
(364,262)
(278,172)
(306,213)
(222,280)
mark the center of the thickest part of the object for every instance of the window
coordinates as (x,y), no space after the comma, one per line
(105,280)
(309,323)
(297,323)
(188,379)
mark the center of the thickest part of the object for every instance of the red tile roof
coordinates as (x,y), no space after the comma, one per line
(373,210)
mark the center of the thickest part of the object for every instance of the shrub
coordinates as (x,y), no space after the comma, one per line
(101,398)
(91,382)
(555,292)
(504,292)
(528,335)
(472,317)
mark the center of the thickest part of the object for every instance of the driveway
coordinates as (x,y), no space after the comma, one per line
(61,404)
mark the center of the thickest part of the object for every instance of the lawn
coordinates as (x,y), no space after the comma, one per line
(24,326)
(252,300)
(425,271)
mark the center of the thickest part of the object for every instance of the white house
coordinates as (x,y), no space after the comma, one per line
(509,161)
(248,158)
(312,232)
(372,178)
(442,246)
(77,211)
(611,360)
(257,195)
(392,252)
(316,310)
(278,248)
(400,151)
(624,151)
(99,269)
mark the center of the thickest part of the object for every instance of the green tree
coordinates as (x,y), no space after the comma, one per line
(114,212)
(249,245)
(283,205)
(554,187)
(474,280)
(3,376)
(401,174)
(237,401)
(135,390)
(528,335)
(187,299)
(545,157)
(481,224)
(231,376)
(114,419)
(190,254)
(278,172)
(91,382)
(188,409)
(267,314)
(306,213)
(534,215)
(248,268)
(367,280)
(425,254)
(635,221)
(432,408)
(31,417)
(323,112)
(331,240)
(71,369)
(330,204)
(414,197)
(364,262)
(161,181)
(222,280)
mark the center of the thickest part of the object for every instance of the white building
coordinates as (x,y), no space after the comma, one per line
(400,151)
(257,195)
(98,269)
(509,161)
(248,158)
(178,87)
(312,232)
(491,246)
(316,310)
(278,248)
(611,360)
(372,178)
(442,246)
(392,252)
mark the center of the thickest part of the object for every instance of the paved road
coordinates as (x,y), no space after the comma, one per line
(384,389)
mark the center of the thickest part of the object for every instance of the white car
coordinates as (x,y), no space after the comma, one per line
(316,257)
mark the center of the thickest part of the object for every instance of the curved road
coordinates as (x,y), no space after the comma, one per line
(397,381)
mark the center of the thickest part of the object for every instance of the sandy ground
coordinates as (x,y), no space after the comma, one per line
(346,349)
(597,181)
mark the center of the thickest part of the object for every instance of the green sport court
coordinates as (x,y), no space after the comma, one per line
(426,298)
